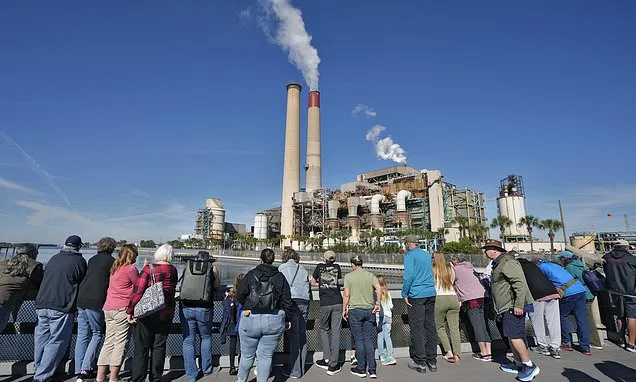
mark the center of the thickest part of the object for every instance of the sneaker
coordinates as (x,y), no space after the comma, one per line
(416,366)
(586,352)
(255,372)
(511,368)
(567,347)
(233,371)
(323,364)
(432,367)
(596,347)
(527,373)
(480,357)
(555,353)
(333,370)
(354,361)
(287,374)
(85,376)
(388,361)
(630,348)
(541,349)
(358,372)
(372,374)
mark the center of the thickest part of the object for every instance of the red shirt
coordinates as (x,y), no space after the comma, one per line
(167,274)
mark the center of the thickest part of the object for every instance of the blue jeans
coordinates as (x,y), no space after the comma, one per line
(52,337)
(195,320)
(297,337)
(361,324)
(260,335)
(91,327)
(5,313)
(384,336)
(574,304)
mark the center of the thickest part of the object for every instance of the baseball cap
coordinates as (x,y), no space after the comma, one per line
(330,255)
(564,255)
(73,241)
(412,239)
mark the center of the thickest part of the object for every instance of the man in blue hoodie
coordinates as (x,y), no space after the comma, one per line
(572,302)
(418,291)
(575,266)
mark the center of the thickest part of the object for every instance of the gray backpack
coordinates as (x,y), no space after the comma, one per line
(197,282)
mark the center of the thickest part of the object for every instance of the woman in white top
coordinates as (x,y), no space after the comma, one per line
(446,308)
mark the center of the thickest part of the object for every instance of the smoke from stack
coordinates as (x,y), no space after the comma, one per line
(313,179)
(385,148)
(291,165)
(292,37)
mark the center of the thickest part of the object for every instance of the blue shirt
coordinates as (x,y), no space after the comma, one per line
(418,274)
(559,277)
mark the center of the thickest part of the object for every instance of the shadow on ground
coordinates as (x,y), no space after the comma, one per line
(617,371)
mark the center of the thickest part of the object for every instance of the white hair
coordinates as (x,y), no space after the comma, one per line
(164,253)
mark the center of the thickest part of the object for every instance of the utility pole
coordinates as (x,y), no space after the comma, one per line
(565,237)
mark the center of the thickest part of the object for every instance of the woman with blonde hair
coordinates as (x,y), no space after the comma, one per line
(123,276)
(384,319)
(446,308)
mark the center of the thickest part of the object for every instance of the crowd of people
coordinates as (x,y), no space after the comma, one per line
(114,303)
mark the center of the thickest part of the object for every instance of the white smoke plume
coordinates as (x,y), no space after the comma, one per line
(374,133)
(385,148)
(363,109)
(292,37)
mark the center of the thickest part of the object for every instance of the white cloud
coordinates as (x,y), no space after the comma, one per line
(18,187)
(363,109)
(373,134)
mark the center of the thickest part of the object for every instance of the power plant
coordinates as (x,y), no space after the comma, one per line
(511,203)
(397,197)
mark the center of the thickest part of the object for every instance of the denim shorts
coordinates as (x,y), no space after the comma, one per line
(514,327)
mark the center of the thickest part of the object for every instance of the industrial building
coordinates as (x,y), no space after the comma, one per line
(601,241)
(210,220)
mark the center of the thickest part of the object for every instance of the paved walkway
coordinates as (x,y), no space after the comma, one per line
(611,364)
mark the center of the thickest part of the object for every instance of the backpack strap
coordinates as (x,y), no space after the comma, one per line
(568,284)
(295,274)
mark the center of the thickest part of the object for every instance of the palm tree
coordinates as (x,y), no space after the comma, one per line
(463,223)
(552,225)
(501,222)
(478,232)
(530,222)
(377,233)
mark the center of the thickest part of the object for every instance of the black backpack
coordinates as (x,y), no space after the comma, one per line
(197,282)
(262,297)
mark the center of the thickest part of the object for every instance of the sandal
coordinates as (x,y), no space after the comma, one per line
(482,357)
(450,359)
(457,360)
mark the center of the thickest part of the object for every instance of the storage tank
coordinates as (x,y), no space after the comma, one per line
(512,204)
(217,221)
(260,226)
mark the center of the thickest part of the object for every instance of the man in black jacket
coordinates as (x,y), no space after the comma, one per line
(620,282)
(545,318)
(55,306)
(267,311)
(90,316)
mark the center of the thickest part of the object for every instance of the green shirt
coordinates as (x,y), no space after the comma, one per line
(361,288)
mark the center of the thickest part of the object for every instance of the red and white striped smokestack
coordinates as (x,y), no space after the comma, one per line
(291,165)
(313,168)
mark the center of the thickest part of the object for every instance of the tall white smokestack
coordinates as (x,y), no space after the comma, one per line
(313,179)
(291,165)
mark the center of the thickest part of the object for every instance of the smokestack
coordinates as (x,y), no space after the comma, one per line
(291,165)
(313,170)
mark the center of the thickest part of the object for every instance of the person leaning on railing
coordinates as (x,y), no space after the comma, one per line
(18,275)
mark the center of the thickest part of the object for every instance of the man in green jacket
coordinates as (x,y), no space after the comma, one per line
(575,267)
(512,299)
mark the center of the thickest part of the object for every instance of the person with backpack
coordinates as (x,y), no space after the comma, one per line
(572,301)
(546,316)
(268,309)
(19,275)
(576,268)
(298,280)
(327,276)
(199,282)
(91,324)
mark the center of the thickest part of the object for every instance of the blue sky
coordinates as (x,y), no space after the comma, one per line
(119,118)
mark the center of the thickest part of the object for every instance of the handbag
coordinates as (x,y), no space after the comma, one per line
(153,299)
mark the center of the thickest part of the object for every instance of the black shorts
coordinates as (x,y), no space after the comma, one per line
(630,307)
(514,327)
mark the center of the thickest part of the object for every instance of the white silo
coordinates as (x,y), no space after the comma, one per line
(512,204)
(260,226)
(217,220)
